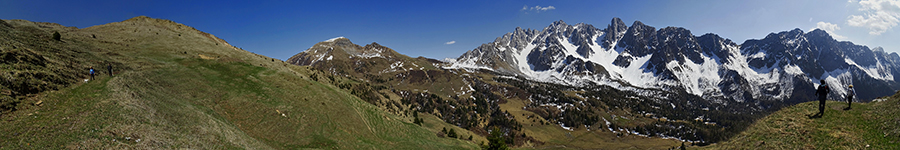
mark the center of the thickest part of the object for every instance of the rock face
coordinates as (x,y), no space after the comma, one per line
(340,47)
(782,67)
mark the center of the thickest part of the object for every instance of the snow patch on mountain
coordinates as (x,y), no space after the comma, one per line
(569,48)
(698,78)
(522,58)
(334,39)
(467,64)
(793,69)
(636,73)
(877,71)
(660,59)
(760,54)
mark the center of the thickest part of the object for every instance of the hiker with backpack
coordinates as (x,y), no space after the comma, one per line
(92,72)
(850,94)
(822,93)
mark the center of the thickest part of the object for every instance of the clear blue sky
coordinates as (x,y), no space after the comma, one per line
(281,29)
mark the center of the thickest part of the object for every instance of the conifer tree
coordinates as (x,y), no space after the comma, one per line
(56,36)
(452,133)
(496,141)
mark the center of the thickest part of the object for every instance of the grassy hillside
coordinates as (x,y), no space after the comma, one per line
(176,87)
(874,125)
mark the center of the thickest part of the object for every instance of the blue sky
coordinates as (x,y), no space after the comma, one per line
(441,29)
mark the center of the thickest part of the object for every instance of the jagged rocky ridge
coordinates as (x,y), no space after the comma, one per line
(715,86)
(782,67)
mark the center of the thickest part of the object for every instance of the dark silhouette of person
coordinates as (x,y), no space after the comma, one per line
(109,68)
(92,72)
(822,92)
(850,94)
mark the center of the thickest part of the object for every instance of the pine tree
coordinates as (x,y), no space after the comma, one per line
(56,36)
(496,141)
(452,133)
(416,118)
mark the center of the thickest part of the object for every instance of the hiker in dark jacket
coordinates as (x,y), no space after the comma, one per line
(822,92)
(92,73)
(109,68)
(850,94)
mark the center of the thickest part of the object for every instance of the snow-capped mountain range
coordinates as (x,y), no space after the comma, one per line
(564,73)
(784,66)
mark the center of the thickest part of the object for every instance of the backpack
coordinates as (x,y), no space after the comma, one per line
(823,90)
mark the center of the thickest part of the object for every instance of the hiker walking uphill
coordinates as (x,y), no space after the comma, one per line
(822,92)
(850,95)
(92,72)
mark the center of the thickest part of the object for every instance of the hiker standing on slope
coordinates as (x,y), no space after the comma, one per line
(850,95)
(109,68)
(822,92)
(92,72)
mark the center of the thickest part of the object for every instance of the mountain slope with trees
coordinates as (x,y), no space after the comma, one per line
(608,83)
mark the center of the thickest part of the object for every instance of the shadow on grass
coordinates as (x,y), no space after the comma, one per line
(814,116)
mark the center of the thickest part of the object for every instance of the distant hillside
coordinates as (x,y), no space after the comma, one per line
(874,125)
(177,87)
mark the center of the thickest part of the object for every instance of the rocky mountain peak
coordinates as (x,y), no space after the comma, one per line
(374,45)
(375,49)
(616,25)
(707,65)
(714,45)
(677,33)
(559,23)
(796,31)
(677,41)
(792,34)
(613,32)
(819,33)
(638,25)
(339,41)
(341,48)
(637,41)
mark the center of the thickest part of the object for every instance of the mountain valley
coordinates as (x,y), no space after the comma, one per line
(561,87)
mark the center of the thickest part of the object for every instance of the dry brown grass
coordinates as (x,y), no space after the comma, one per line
(861,127)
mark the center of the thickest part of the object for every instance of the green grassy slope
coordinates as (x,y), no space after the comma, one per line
(874,125)
(177,87)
